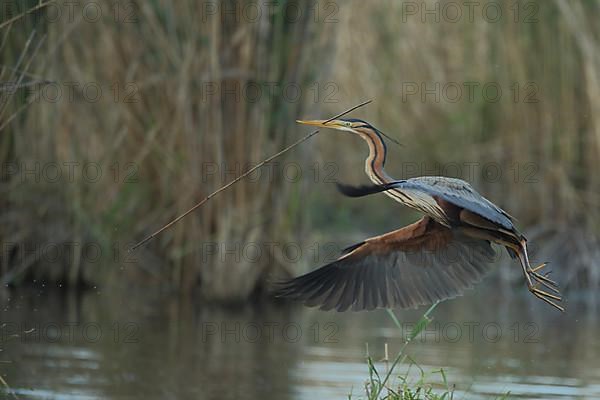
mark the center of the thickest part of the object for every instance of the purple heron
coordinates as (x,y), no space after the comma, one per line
(435,258)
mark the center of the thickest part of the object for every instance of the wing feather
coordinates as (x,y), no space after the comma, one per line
(416,265)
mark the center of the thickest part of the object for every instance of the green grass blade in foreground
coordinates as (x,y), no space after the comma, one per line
(407,390)
(394,318)
(419,327)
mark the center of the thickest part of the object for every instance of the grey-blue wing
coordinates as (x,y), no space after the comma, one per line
(459,193)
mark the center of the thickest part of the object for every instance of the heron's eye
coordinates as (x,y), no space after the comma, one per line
(348,124)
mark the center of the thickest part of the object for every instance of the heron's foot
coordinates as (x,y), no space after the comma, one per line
(543,279)
(545,296)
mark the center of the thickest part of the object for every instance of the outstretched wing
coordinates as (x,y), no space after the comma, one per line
(415,265)
(455,191)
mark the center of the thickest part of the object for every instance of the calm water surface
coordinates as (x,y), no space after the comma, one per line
(102,345)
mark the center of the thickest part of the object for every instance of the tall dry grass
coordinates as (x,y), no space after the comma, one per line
(166,132)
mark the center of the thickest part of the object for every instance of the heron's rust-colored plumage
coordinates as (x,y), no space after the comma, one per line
(423,234)
(415,265)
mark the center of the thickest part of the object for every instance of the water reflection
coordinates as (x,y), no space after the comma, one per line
(103,345)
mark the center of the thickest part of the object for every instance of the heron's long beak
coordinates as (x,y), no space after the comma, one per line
(317,122)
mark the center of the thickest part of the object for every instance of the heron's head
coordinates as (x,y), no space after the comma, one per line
(347,125)
(352,125)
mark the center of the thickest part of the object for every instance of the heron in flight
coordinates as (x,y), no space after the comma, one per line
(435,258)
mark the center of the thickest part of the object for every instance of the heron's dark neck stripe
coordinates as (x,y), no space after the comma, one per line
(379,144)
(377,157)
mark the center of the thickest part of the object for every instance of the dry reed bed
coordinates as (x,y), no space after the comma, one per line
(157,141)
(547,151)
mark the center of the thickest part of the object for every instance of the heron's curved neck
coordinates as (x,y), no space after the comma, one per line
(374,169)
(376,160)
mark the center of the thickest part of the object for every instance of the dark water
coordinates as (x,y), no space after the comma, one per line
(103,345)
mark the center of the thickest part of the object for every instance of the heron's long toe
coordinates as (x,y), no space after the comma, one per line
(543,279)
(547,297)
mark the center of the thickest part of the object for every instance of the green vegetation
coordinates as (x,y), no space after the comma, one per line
(384,386)
(405,389)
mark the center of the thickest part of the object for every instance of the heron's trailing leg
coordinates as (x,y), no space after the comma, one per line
(542,279)
(539,279)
